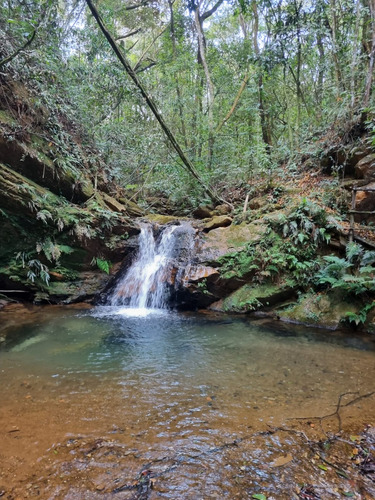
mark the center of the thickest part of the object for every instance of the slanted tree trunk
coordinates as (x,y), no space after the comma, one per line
(150,103)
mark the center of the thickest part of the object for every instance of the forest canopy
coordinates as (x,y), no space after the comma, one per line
(244,86)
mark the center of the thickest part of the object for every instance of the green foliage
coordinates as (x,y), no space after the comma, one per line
(289,248)
(361,317)
(36,272)
(353,275)
(304,223)
(103,265)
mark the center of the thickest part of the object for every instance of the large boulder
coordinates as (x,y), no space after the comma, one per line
(327,310)
(365,202)
(223,240)
(365,168)
(250,298)
(217,221)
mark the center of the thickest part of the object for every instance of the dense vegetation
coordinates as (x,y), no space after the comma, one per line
(205,102)
(244,86)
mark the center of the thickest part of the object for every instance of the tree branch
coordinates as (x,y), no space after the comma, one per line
(137,5)
(15,54)
(211,11)
(131,33)
(136,67)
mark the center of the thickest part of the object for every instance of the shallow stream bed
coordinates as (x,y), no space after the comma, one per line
(110,403)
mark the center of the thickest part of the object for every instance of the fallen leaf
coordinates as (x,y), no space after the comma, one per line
(348,494)
(280,461)
(355,438)
(341,473)
(323,467)
(259,496)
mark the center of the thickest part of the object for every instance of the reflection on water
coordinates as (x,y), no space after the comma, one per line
(166,383)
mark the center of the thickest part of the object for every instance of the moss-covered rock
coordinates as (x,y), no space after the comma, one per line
(225,240)
(217,221)
(327,310)
(161,220)
(253,297)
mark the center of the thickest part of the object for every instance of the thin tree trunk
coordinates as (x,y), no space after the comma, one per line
(178,90)
(236,101)
(370,71)
(355,56)
(210,85)
(266,136)
(150,103)
(334,33)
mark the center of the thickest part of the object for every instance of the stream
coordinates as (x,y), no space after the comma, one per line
(116,402)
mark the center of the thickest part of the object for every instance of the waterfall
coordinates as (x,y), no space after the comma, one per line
(151,277)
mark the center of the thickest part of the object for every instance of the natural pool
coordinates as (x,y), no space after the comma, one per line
(107,403)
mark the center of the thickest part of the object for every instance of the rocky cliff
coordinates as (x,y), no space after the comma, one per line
(62,224)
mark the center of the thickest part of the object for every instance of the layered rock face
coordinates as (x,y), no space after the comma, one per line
(63,224)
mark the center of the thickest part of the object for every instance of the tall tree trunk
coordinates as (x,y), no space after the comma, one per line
(210,85)
(355,56)
(370,70)
(178,90)
(150,103)
(263,119)
(334,34)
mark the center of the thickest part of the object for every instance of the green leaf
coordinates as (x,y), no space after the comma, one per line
(348,494)
(341,473)
(323,467)
(103,265)
(259,496)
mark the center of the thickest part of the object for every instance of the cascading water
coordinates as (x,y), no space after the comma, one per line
(150,278)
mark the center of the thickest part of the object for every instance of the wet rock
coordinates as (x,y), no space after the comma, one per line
(131,207)
(84,288)
(113,204)
(217,221)
(162,219)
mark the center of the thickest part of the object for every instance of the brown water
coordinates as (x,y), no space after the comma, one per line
(204,405)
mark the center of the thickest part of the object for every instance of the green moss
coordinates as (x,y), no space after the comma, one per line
(250,298)
(162,219)
(327,309)
(6,118)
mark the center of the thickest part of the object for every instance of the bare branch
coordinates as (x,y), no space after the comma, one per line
(6,60)
(148,48)
(137,5)
(131,33)
(211,11)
